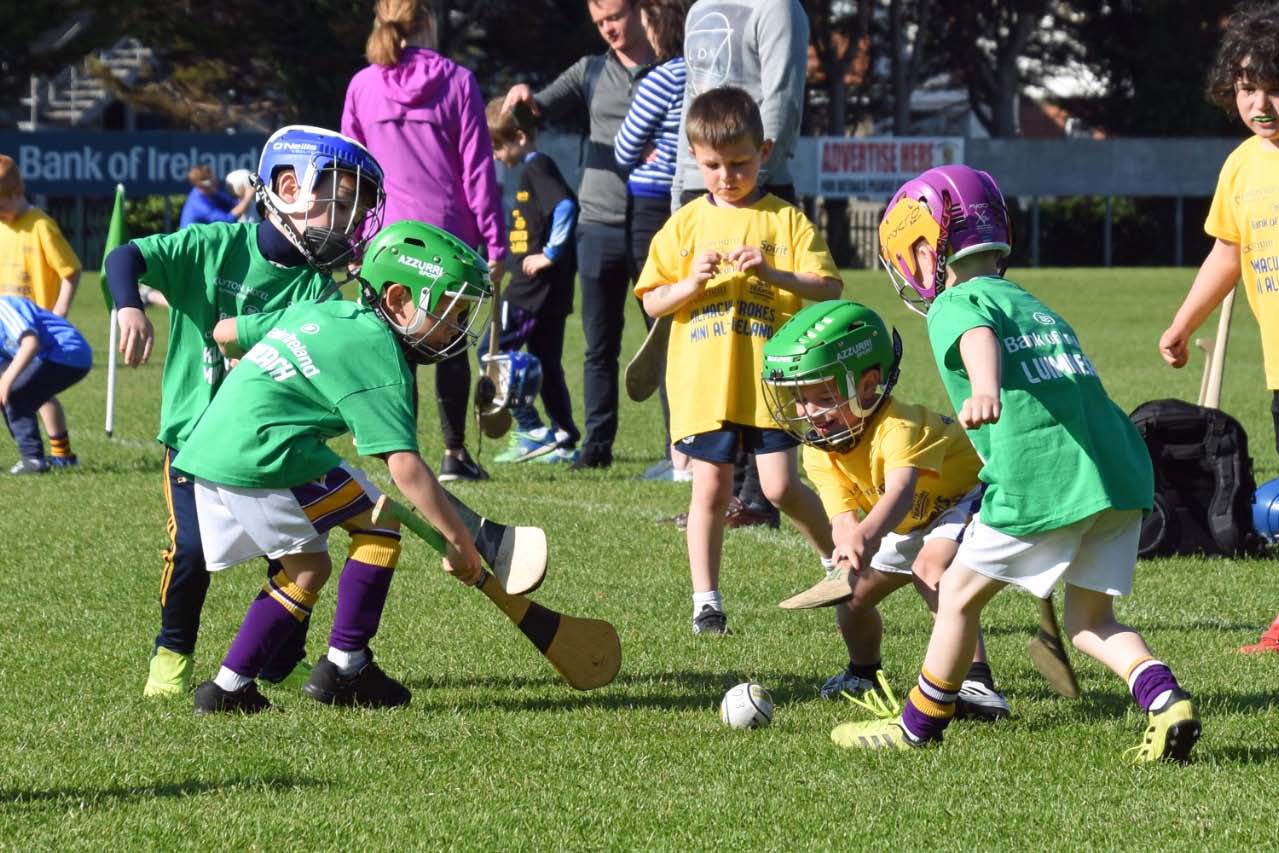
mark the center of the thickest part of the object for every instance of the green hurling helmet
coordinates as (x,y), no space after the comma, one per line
(813,367)
(448,282)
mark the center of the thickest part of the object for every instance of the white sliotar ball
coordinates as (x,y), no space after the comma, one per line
(746,706)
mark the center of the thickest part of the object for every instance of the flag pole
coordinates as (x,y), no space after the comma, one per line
(115,236)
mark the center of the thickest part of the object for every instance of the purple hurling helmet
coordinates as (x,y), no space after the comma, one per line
(958,210)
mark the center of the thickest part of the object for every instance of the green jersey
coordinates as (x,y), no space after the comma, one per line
(309,373)
(208,273)
(1061,449)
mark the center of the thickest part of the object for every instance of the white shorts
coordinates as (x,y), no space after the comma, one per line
(1098,553)
(237,524)
(898,551)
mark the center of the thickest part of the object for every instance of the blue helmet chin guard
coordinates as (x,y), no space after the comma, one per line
(519,379)
(346,209)
(1265,510)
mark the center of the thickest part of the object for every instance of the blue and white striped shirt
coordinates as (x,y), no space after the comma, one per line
(653,119)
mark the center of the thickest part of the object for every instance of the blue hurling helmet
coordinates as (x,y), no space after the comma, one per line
(346,208)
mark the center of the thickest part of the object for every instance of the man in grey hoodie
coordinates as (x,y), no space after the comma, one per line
(760,46)
(596,91)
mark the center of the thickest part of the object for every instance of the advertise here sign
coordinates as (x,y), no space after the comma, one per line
(875,166)
(89,164)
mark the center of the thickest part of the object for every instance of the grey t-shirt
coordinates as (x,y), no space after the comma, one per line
(760,46)
(602,192)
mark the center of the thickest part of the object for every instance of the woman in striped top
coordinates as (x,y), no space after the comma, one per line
(648,146)
(648,142)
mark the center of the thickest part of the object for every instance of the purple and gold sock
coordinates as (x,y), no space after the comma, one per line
(1152,683)
(272,618)
(363,587)
(929,707)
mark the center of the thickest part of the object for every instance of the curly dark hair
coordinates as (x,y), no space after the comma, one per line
(666,18)
(1250,46)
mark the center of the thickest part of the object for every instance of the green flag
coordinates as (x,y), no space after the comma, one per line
(115,237)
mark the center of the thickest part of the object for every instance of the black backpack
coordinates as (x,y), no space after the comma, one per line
(1203,482)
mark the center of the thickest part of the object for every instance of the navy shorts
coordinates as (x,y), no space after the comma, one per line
(722,445)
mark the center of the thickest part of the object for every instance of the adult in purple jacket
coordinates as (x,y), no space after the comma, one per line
(422,117)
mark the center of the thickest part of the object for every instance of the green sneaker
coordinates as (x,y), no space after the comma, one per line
(295,680)
(523,446)
(874,734)
(1171,734)
(169,675)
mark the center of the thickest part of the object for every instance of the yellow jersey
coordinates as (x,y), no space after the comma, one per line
(34,258)
(899,435)
(1245,211)
(716,349)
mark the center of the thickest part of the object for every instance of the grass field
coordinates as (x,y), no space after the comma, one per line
(495,752)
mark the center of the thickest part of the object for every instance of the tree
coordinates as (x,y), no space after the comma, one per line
(1152,59)
(986,41)
(907,47)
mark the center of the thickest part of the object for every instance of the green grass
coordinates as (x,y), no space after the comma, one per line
(495,752)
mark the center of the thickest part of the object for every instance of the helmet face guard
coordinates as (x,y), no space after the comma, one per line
(447,283)
(340,194)
(957,210)
(519,379)
(813,369)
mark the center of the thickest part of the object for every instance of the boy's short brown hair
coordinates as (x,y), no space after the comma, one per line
(504,124)
(1249,45)
(10,178)
(724,116)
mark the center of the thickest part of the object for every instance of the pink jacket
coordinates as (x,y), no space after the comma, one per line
(423,119)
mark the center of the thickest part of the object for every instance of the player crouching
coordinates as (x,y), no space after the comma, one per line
(267,484)
(910,473)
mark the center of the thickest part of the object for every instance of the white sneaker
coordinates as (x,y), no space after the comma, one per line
(660,470)
(682,475)
(836,685)
(976,701)
(29,466)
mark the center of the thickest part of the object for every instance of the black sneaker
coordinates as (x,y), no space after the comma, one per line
(211,699)
(710,621)
(368,688)
(592,457)
(461,468)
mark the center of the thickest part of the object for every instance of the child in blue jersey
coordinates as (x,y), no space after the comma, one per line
(1067,476)
(41,354)
(318,188)
(539,296)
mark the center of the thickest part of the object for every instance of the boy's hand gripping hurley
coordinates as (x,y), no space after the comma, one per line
(585,652)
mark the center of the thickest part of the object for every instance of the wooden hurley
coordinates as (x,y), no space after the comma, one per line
(587,653)
(644,373)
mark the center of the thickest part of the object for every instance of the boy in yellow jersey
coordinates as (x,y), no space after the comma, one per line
(898,481)
(730,268)
(1244,78)
(37,264)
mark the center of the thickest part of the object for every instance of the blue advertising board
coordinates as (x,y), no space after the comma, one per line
(91,163)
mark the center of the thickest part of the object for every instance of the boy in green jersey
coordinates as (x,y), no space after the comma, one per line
(1067,477)
(320,191)
(267,484)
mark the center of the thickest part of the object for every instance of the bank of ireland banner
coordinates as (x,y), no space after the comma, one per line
(875,166)
(92,163)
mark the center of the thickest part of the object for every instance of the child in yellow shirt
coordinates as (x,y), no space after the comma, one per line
(37,264)
(900,482)
(730,268)
(1242,218)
